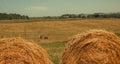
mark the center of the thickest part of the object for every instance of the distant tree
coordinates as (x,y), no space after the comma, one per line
(5,16)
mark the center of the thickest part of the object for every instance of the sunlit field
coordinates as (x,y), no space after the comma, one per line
(56,31)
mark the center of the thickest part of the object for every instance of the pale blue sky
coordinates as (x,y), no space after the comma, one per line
(58,7)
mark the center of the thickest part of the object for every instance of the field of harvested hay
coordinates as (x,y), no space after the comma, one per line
(57,32)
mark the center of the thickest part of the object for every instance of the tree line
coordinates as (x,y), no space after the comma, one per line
(5,16)
(94,15)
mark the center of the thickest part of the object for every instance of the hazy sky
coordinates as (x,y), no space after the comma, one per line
(58,7)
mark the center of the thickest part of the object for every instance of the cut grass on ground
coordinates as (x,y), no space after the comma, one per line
(54,50)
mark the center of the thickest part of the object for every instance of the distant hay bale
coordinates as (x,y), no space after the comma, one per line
(93,47)
(19,51)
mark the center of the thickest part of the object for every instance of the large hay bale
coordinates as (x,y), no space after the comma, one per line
(93,47)
(19,51)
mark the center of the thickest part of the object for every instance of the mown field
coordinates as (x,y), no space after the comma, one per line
(57,31)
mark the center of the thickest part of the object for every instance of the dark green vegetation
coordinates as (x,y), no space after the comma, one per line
(5,16)
(95,15)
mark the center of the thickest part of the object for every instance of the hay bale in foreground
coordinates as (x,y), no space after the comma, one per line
(93,47)
(19,51)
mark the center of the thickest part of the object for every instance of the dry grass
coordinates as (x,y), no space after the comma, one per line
(93,47)
(19,51)
(56,30)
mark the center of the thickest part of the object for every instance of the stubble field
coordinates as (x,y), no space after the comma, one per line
(57,31)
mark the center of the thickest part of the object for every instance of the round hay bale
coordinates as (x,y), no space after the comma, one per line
(19,51)
(93,47)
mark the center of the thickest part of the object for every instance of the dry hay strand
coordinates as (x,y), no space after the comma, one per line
(93,47)
(19,51)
